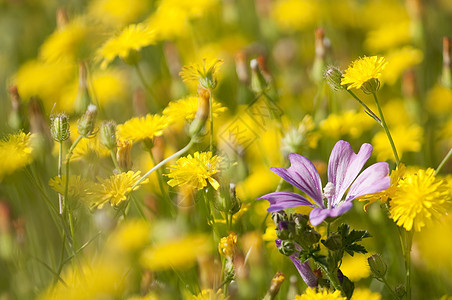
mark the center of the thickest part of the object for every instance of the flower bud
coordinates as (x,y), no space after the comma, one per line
(227,245)
(371,86)
(287,247)
(227,200)
(83,99)
(275,285)
(258,82)
(202,114)
(60,128)
(16,116)
(279,216)
(123,155)
(107,135)
(377,265)
(333,77)
(87,122)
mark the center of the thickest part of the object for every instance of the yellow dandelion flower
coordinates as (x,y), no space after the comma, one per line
(130,39)
(118,12)
(406,139)
(398,61)
(420,196)
(351,123)
(362,70)
(209,295)
(130,236)
(355,267)
(312,294)
(168,255)
(204,74)
(78,187)
(114,189)
(67,43)
(137,129)
(16,152)
(195,171)
(439,100)
(365,294)
(396,112)
(388,36)
(292,15)
(387,194)
(109,86)
(227,245)
(185,109)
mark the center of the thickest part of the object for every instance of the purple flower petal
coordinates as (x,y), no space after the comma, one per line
(343,167)
(372,180)
(282,200)
(317,215)
(303,175)
(305,271)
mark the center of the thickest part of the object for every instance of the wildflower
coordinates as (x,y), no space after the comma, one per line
(204,75)
(117,12)
(137,129)
(130,236)
(343,169)
(312,294)
(227,245)
(185,109)
(388,36)
(276,283)
(399,61)
(195,171)
(439,100)
(406,138)
(107,135)
(351,123)
(86,123)
(419,197)
(126,44)
(364,72)
(114,189)
(123,154)
(365,294)
(355,267)
(209,295)
(78,187)
(333,77)
(292,15)
(15,153)
(180,253)
(60,128)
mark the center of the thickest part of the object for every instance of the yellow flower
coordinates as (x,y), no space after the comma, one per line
(130,39)
(195,170)
(292,15)
(406,139)
(227,245)
(312,294)
(209,295)
(400,60)
(203,74)
(114,189)
(419,197)
(349,123)
(137,129)
(388,36)
(356,267)
(15,153)
(439,100)
(365,294)
(130,236)
(78,187)
(387,194)
(185,109)
(118,12)
(362,70)
(179,253)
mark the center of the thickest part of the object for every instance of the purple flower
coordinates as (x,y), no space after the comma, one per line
(343,169)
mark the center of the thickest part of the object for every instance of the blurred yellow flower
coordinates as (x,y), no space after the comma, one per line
(406,139)
(312,294)
(130,236)
(355,267)
(202,74)
(78,187)
(388,36)
(118,13)
(351,123)
(226,246)
(195,171)
(109,86)
(185,109)
(114,189)
(209,295)
(259,181)
(87,148)
(362,70)
(439,100)
(15,153)
(127,42)
(179,253)
(137,129)
(292,15)
(398,61)
(396,112)
(365,294)
(420,197)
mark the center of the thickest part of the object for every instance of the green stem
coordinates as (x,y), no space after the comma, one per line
(332,278)
(115,161)
(60,162)
(60,266)
(367,109)
(154,106)
(408,239)
(389,288)
(386,128)
(211,120)
(156,167)
(445,159)
(68,159)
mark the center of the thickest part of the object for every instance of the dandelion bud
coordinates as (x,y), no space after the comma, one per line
(107,135)
(227,245)
(60,128)
(258,82)
(123,155)
(371,86)
(320,52)
(241,67)
(333,77)
(275,285)
(87,122)
(377,265)
(227,201)
(202,114)
(83,99)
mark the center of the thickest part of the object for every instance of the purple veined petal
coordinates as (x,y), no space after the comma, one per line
(305,271)
(317,215)
(343,167)
(372,180)
(303,175)
(282,200)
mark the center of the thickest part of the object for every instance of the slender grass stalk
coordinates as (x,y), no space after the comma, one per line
(115,161)
(443,162)
(367,109)
(211,120)
(60,162)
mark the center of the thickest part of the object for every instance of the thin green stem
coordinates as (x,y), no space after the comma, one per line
(408,239)
(367,109)
(68,159)
(156,167)
(332,278)
(50,269)
(60,162)
(211,120)
(445,159)
(60,266)
(115,161)
(154,106)
(386,128)
(389,288)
